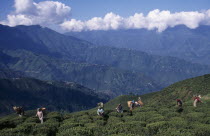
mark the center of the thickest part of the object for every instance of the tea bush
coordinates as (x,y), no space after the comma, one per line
(195,116)
(76,131)
(157,120)
(154,128)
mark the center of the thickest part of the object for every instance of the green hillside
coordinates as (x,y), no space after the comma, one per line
(158,117)
(57,96)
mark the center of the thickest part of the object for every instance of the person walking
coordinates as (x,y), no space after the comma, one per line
(119,108)
(40,115)
(196,100)
(100,111)
(179,102)
(19,110)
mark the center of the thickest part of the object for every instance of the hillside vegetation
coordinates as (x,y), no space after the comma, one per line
(93,76)
(57,96)
(159,116)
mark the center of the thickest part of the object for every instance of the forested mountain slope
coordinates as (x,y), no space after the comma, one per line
(56,96)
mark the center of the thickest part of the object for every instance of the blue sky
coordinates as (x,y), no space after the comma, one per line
(118,11)
(86,9)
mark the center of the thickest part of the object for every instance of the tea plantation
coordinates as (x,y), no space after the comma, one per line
(159,116)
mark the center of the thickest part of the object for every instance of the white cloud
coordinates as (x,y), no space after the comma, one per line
(19,19)
(27,12)
(155,19)
(73,25)
(22,6)
(57,15)
(207,17)
(110,21)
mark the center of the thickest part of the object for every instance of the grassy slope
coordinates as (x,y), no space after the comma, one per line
(158,117)
(32,93)
(183,90)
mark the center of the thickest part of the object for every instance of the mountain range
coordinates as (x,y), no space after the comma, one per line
(42,53)
(180,41)
(42,68)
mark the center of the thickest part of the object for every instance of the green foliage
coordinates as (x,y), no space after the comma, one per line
(201,129)
(148,120)
(178,123)
(195,116)
(76,131)
(154,128)
(151,119)
(60,96)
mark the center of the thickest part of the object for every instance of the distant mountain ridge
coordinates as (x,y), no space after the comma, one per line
(97,77)
(182,42)
(45,54)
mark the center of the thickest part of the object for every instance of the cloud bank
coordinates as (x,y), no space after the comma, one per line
(27,12)
(57,15)
(155,19)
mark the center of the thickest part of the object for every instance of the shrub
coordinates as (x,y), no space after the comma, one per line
(76,131)
(195,116)
(146,109)
(91,125)
(7,124)
(178,124)
(154,128)
(18,120)
(201,129)
(55,115)
(207,120)
(141,116)
(84,119)
(113,120)
(132,127)
(93,112)
(100,122)
(189,109)
(12,132)
(128,118)
(68,125)
(47,129)
(172,114)
(33,119)
(25,127)
(164,111)
(174,132)
(156,118)
(95,118)
(151,115)
(116,114)
(72,120)
(122,134)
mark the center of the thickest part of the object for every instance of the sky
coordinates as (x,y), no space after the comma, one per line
(87,15)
